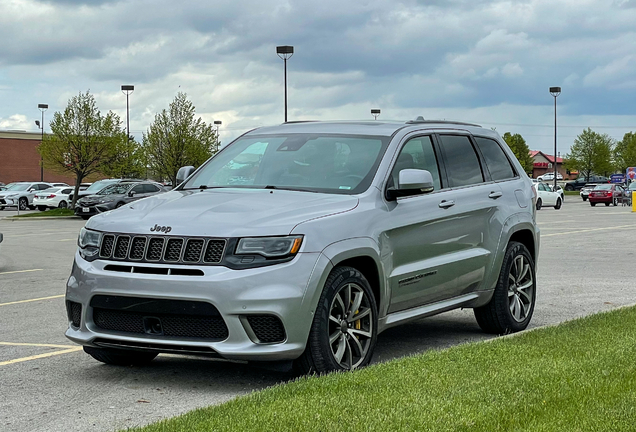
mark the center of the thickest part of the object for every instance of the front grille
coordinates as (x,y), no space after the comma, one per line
(267,328)
(181,250)
(74,311)
(191,326)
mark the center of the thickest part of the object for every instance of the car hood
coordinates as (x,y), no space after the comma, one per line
(223,212)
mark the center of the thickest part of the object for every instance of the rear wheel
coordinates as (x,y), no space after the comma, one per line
(584,198)
(512,303)
(558,204)
(607,204)
(41,208)
(120,357)
(344,329)
(592,204)
(539,204)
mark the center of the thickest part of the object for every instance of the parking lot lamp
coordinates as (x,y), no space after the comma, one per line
(555,91)
(127,90)
(375,112)
(42,107)
(217,123)
(285,52)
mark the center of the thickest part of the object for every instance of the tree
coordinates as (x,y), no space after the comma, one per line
(82,140)
(176,138)
(591,153)
(128,161)
(625,152)
(519,147)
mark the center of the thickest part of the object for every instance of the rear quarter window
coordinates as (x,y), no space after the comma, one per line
(496,160)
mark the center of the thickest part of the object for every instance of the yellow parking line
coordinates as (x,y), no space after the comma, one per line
(39,356)
(20,271)
(32,300)
(37,345)
(588,230)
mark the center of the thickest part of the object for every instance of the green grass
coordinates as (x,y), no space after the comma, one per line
(578,376)
(53,212)
(571,192)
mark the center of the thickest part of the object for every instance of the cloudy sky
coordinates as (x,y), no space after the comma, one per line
(489,62)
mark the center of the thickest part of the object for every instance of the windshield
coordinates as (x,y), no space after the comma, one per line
(603,187)
(18,186)
(118,188)
(309,162)
(99,185)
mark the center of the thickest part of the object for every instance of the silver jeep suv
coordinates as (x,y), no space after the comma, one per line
(302,242)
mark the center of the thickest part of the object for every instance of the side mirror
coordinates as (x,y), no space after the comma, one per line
(184,173)
(411,182)
(131,194)
(31,190)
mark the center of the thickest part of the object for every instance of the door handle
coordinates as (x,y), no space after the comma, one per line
(495,195)
(447,204)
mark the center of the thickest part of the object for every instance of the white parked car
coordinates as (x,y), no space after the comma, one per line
(60,184)
(558,190)
(550,176)
(545,196)
(56,197)
(20,194)
(585,190)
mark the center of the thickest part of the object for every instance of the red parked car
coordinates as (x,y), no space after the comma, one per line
(606,193)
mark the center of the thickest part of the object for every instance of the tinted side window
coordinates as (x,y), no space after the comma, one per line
(462,164)
(66,191)
(496,160)
(138,189)
(149,188)
(418,153)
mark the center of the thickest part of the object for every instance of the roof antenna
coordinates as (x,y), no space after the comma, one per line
(419,119)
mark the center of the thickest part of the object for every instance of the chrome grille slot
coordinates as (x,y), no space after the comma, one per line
(108,241)
(214,251)
(155,247)
(138,248)
(193,250)
(121,247)
(173,250)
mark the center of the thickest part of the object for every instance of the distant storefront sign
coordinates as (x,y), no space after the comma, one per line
(631,173)
(617,178)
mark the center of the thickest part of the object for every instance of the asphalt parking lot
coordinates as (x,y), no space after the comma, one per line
(48,384)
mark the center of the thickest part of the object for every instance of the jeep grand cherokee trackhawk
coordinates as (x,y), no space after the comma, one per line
(302,242)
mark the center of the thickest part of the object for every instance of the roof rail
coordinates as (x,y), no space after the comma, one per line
(420,119)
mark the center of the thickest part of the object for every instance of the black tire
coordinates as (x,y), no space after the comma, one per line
(120,357)
(2,208)
(42,208)
(539,204)
(569,187)
(558,204)
(318,356)
(592,204)
(496,317)
(119,204)
(86,217)
(607,204)
(62,204)
(23,203)
(584,198)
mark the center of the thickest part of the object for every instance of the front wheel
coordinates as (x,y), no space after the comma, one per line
(42,208)
(86,217)
(512,304)
(584,198)
(539,204)
(558,204)
(23,203)
(120,357)
(569,187)
(62,204)
(345,325)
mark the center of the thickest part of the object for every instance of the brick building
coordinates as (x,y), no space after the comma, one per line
(20,160)
(543,163)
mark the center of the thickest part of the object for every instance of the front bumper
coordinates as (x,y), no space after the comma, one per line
(284,291)
(81,210)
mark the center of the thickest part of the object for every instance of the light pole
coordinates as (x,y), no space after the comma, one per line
(127,90)
(375,112)
(217,123)
(555,91)
(285,52)
(42,107)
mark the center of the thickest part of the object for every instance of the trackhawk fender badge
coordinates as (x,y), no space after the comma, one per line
(414,279)
(163,229)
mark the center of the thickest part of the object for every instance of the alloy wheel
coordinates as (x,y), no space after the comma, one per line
(350,326)
(520,287)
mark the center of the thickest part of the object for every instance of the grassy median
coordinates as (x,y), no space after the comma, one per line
(578,376)
(49,213)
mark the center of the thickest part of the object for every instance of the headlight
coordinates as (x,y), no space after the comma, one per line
(269,247)
(88,242)
(105,200)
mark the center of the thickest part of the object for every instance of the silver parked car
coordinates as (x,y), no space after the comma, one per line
(21,194)
(302,242)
